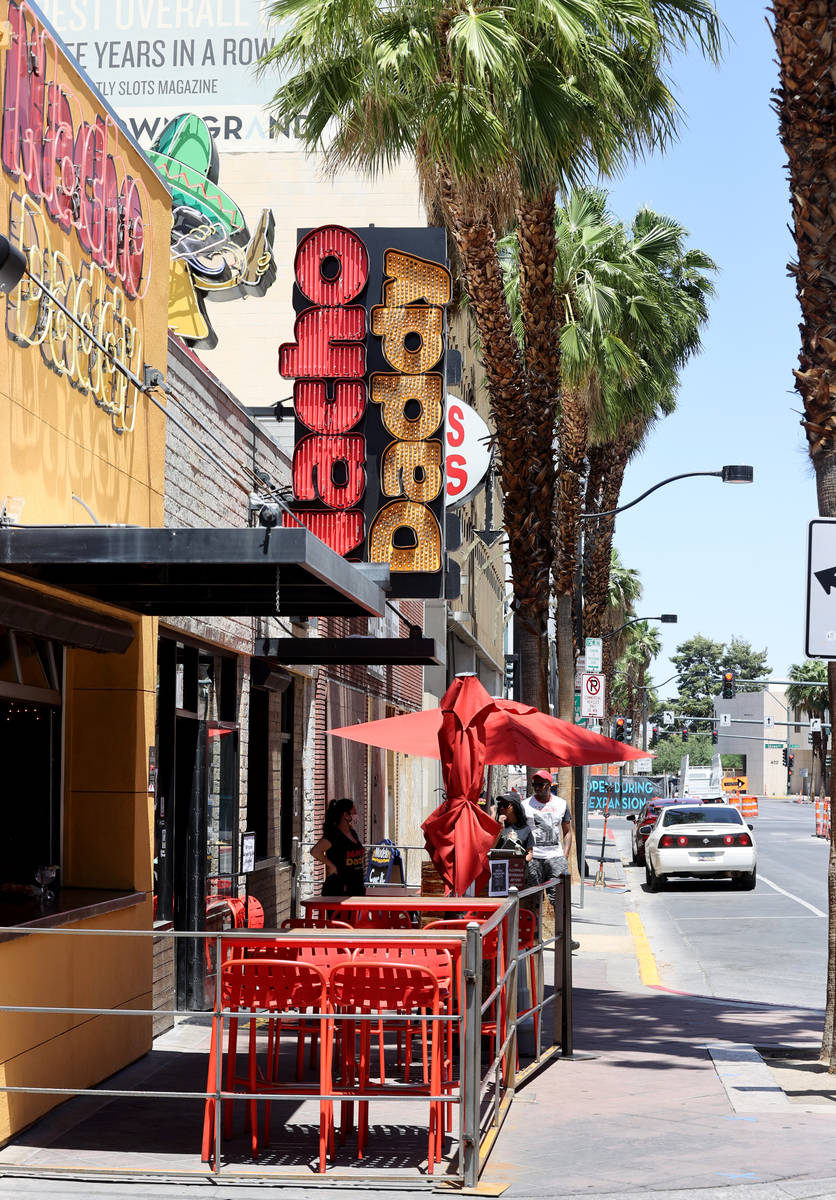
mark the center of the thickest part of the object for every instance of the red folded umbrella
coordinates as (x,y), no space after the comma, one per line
(469,730)
(459,834)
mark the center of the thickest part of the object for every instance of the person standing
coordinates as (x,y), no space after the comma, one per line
(551,825)
(340,851)
(516,831)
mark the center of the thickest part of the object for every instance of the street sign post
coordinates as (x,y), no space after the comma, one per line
(580,667)
(592,695)
(594,654)
(820,632)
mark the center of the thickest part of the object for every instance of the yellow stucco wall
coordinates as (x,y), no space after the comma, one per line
(56,441)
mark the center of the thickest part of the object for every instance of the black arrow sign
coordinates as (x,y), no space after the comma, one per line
(827,578)
(735,783)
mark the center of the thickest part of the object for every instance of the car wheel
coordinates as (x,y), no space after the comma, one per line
(652,880)
(747,882)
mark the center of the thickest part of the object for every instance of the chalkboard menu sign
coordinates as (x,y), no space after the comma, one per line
(385,864)
(514,876)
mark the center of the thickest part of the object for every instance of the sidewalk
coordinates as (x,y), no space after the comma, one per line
(642,1109)
(664,1098)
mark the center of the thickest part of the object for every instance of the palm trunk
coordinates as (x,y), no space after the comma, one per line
(599,535)
(806,107)
(521,476)
(541,338)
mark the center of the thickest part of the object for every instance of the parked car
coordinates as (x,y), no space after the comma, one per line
(704,840)
(642,825)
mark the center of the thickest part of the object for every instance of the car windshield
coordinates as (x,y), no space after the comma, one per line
(715,814)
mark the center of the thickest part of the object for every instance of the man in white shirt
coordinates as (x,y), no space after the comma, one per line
(550,821)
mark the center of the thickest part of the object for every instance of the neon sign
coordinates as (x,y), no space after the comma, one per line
(213,256)
(73,179)
(368,465)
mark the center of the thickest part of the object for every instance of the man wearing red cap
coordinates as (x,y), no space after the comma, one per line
(550,821)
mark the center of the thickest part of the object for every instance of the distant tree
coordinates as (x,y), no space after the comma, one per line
(746,663)
(700,662)
(697,662)
(814,702)
(670,750)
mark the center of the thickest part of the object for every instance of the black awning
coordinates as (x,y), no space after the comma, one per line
(195,572)
(46,616)
(371,651)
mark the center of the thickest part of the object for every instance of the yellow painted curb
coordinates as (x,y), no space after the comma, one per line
(647,963)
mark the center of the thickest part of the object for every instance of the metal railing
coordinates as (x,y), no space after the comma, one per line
(485,1091)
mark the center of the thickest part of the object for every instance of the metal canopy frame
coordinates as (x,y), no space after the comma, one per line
(196,572)
(371,651)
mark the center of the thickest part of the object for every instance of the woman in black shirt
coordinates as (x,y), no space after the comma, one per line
(516,831)
(341,851)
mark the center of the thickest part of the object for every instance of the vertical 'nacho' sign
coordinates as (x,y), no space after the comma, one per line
(368,364)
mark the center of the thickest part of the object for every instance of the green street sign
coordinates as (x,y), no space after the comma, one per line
(773,745)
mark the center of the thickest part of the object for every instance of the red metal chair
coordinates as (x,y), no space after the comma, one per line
(368,987)
(527,940)
(313,923)
(386,918)
(490,954)
(440,962)
(272,987)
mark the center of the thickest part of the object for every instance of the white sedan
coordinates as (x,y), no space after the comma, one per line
(691,839)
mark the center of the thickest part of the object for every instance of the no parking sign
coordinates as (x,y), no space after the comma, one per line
(592,695)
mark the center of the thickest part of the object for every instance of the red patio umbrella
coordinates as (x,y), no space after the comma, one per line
(468,730)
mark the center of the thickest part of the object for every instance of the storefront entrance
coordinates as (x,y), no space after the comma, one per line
(196,807)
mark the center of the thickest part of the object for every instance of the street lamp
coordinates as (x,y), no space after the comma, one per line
(665,618)
(736,473)
(732,473)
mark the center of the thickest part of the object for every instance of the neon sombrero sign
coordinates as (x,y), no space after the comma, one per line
(368,364)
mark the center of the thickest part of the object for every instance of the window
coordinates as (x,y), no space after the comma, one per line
(714,815)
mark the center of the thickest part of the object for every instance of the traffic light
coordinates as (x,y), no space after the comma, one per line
(728,685)
(790,761)
(510,674)
(619,729)
(628,729)
(685,735)
(654,735)
(713,737)
(784,756)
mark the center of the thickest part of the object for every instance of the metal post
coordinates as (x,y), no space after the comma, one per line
(471,1067)
(644,718)
(219,1055)
(512,950)
(294,877)
(567,1014)
(538,999)
(584,833)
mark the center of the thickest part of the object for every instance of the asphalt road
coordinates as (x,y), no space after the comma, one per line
(767,946)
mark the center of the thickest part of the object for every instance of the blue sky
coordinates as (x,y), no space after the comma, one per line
(728,560)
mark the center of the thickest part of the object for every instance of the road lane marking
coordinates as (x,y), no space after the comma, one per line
(818,912)
(748,917)
(648,971)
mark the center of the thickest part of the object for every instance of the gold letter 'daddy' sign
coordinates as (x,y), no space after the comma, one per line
(368,465)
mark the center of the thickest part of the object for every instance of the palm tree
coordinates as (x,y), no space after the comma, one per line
(677,285)
(624,589)
(645,644)
(814,702)
(501,107)
(805,101)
